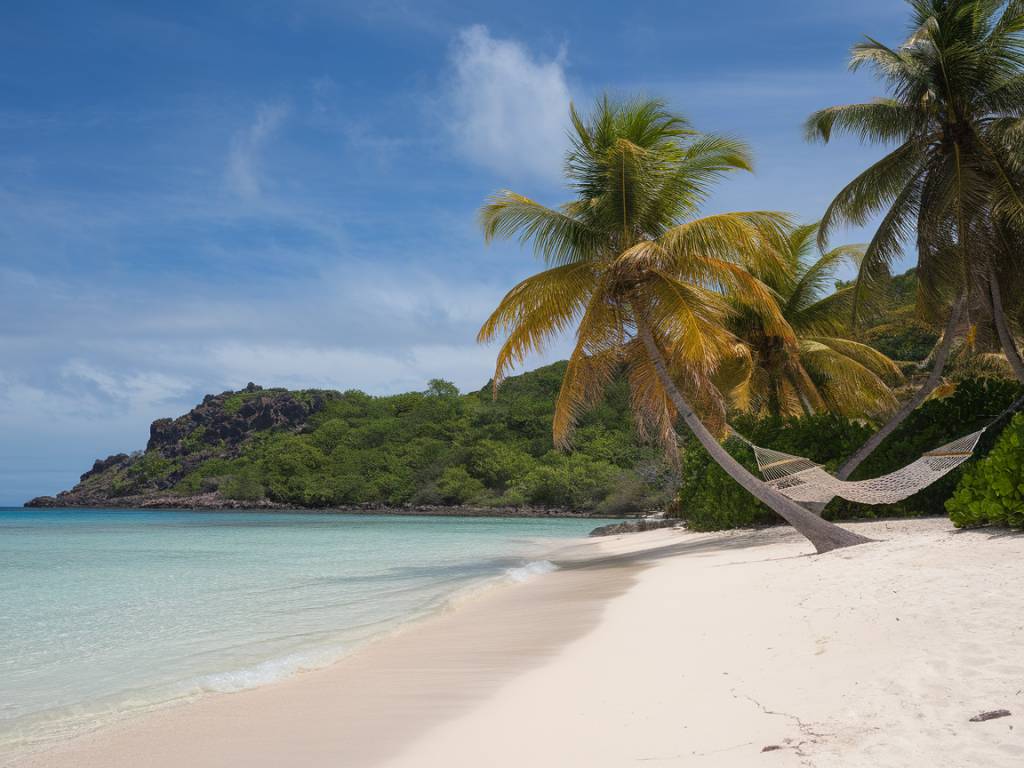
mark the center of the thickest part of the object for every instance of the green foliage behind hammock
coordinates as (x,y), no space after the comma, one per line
(974,404)
(709,500)
(992,489)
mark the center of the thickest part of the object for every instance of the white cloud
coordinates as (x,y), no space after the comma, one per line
(342,367)
(242,174)
(509,109)
(141,389)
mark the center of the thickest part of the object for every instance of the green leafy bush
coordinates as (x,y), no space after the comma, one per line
(151,467)
(457,486)
(566,480)
(497,464)
(245,484)
(906,340)
(991,491)
(193,442)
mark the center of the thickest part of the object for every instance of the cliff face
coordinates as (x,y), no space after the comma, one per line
(226,420)
(216,429)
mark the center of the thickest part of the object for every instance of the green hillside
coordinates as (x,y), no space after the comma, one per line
(321,448)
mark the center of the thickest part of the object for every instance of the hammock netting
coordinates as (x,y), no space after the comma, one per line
(802,480)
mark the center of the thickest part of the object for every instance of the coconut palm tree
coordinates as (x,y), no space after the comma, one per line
(823,370)
(953,117)
(645,283)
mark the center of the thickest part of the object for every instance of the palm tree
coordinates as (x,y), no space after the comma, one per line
(953,110)
(823,370)
(643,281)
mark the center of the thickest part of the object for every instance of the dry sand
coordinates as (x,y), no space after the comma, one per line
(662,648)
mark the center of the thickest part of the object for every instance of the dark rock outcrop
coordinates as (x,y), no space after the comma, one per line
(102,465)
(228,419)
(43,501)
(216,428)
(633,526)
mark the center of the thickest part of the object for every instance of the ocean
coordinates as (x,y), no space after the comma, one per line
(105,613)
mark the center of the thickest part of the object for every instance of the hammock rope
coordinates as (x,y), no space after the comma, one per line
(804,480)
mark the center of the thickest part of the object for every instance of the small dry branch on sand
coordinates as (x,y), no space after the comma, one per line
(992,715)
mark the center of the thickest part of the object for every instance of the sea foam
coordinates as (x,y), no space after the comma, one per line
(530,570)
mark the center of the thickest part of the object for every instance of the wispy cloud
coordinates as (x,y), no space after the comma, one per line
(243,173)
(508,108)
(140,389)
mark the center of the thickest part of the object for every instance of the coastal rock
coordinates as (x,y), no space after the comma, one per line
(43,501)
(102,465)
(633,526)
(226,420)
(215,429)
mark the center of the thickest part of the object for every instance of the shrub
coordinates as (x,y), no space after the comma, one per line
(565,480)
(991,491)
(196,480)
(457,486)
(150,468)
(631,495)
(119,486)
(907,340)
(243,485)
(330,435)
(496,464)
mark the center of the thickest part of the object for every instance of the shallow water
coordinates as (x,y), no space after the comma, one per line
(108,612)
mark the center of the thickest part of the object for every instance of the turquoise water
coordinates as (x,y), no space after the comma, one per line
(108,612)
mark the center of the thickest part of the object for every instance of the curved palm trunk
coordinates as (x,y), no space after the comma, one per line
(941,357)
(936,347)
(1005,337)
(825,536)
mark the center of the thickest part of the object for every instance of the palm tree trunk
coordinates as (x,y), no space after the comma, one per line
(1005,337)
(930,360)
(805,403)
(941,357)
(825,536)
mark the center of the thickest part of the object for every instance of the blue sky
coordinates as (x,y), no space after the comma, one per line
(198,195)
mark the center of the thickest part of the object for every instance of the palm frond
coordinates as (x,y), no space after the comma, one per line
(536,311)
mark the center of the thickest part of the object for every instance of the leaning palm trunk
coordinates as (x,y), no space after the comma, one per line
(941,357)
(825,536)
(1005,337)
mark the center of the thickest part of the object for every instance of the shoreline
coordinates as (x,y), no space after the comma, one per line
(213,503)
(381,657)
(667,647)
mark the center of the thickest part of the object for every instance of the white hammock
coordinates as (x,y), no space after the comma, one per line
(802,480)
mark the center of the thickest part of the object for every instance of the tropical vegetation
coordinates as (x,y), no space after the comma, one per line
(824,370)
(709,500)
(952,181)
(646,284)
(720,321)
(435,447)
(992,490)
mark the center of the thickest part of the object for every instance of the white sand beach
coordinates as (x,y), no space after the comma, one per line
(662,648)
